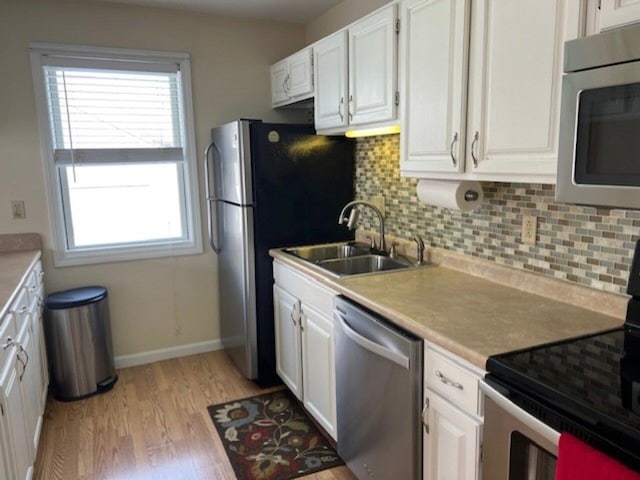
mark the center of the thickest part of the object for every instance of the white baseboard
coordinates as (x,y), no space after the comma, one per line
(151,356)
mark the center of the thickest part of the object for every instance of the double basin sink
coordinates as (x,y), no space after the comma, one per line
(346,259)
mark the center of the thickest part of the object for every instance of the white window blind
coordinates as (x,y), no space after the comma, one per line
(92,110)
(119,150)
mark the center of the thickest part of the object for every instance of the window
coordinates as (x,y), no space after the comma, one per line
(117,140)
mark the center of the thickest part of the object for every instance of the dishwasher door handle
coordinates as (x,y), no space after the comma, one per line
(371,346)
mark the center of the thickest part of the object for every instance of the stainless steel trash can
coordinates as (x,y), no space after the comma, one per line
(79,347)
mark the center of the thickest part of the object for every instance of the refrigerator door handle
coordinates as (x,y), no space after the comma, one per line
(210,199)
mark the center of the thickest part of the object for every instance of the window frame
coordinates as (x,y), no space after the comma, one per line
(189,187)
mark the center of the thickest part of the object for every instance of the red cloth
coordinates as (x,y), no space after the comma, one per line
(578,461)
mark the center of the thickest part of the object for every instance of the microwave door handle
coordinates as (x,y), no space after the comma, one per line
(516,412)
(212,210)
(369,345)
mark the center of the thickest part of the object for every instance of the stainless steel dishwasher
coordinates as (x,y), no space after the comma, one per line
(379,389)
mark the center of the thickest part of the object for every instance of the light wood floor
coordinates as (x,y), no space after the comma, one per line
(153,425)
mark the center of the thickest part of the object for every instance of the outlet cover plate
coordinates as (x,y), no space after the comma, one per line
(18,211)
(529,229)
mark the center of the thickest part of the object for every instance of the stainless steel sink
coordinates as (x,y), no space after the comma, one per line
(362,264)
(320,253)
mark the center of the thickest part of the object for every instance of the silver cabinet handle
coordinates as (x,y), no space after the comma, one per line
(340,108)
(23,310)
(24,362)
(424,414)
(350,103)
(9,343)
(453,142)
(285,85)
(448,381)
(293,315)
(476,136)
(34,288)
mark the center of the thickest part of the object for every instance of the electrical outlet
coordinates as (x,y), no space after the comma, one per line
(529,229)
(379,202)
(17,210)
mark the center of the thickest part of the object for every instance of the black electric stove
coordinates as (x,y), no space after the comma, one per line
(588,386)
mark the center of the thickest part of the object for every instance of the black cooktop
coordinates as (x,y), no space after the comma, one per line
(593,381)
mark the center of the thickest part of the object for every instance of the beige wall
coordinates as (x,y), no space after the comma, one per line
(339,16)
(154,303)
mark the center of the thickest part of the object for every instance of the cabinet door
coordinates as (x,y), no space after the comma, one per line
(13,419)
(301,73)
(514,88)
(318,367)
(288,356)
(330,73)
(279,79)
(434,47)
(615,13)
(39,350)
(31,384)
(373,67)
(452,444)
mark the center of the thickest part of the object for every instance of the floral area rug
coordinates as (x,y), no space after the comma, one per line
(269,437)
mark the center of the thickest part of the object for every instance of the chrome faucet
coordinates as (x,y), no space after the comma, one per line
(352,219)
(419,249)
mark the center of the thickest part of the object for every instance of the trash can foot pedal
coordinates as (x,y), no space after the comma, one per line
(107,384)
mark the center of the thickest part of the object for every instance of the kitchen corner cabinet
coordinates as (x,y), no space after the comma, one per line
(23,379)
(452,417)
(292,78)
(617,13)
(356,74)
(305,357)
(506,128)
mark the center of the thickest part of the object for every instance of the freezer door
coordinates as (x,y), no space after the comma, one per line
(231,181)
(237,287)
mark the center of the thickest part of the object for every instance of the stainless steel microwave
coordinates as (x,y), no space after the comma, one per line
(599,149)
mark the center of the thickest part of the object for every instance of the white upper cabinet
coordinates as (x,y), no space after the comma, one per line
(373,48)
(514,74)
(301,73)
(279,72)
(616,13)
(434,47)
(356,73)
(515,77)
(292,78)
(331,70)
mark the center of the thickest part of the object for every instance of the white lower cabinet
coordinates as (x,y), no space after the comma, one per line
(23,379)
(288,356)
(305,354)
(452,418)
(319,367)
(452,443)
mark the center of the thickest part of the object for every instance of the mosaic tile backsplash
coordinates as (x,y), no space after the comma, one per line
(584,245)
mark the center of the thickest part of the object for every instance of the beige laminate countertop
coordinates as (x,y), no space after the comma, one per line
(14,267)
(465,314)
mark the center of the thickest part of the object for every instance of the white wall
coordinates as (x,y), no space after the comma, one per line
(339,16)
(159,303)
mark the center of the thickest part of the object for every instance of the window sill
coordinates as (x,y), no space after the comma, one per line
(124,254)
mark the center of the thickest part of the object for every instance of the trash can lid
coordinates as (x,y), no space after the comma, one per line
(75,297)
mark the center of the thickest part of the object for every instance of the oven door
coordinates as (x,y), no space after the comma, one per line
(516,445)
(599,140)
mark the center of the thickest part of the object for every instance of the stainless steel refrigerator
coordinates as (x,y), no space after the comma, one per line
(268,185)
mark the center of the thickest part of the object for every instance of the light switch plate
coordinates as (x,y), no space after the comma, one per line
(17,210)
(379,202)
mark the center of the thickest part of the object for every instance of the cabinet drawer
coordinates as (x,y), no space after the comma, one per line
(20,308)
(306,290)
(452,381)
(7,330)
(34,280)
